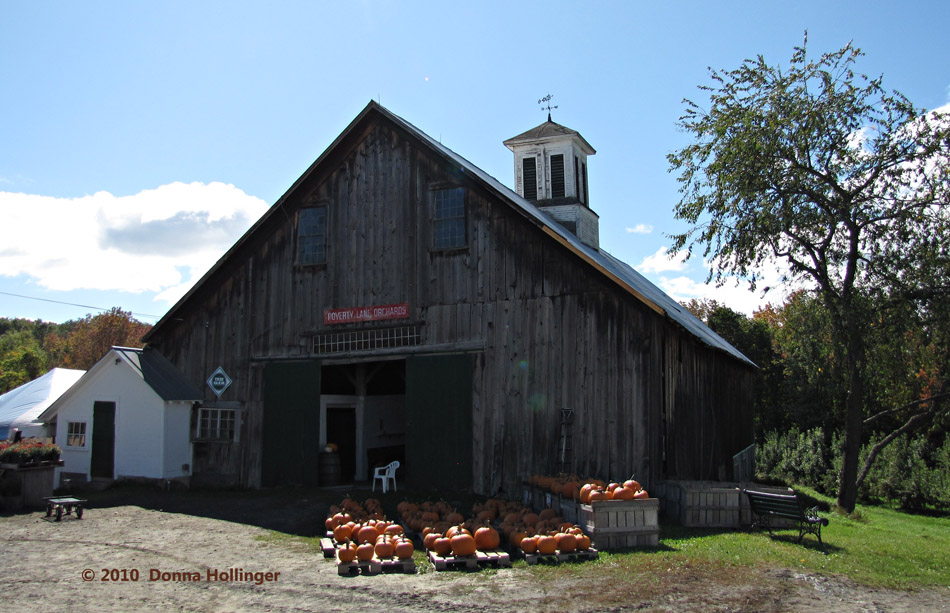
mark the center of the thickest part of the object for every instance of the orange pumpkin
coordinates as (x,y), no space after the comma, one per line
(367,533)
(342,533)
(566,542)
(442,546)
(547,544)
(632,484)
(584,495)
(486,538)
(365,552)
(624,493)
(597,494)
(346,553)
(404,549)
(641,495)
(529,544)
(463,544)
(583,542)
(385,548)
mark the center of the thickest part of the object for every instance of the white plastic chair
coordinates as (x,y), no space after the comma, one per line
(385,474)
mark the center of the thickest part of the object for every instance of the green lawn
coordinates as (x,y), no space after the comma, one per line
(876,547)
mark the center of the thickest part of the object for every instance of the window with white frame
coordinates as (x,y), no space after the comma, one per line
(76,434)
(216,424)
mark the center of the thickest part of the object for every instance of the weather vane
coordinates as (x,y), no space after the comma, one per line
(546,101)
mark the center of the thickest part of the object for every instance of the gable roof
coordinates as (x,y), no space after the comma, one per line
(614,269)
(21,406)
(152,367)
(160,374)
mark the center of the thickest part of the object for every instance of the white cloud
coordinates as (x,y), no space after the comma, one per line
(661,262)
(139,243)
(640,228)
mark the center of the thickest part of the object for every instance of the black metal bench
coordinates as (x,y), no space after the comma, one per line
(766,507)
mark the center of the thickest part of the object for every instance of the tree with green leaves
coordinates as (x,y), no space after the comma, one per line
(845,184)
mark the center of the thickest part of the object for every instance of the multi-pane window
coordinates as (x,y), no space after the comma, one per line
(312,235)
(557,176)
(76,434)
(216,424)
(449,218)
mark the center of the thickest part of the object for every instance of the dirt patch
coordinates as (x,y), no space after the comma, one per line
(217,552)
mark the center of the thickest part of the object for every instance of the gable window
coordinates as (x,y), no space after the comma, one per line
(216,424)
(529,178)
(449,218)
(557,176)
(577,181)
(312,236)
(76,434)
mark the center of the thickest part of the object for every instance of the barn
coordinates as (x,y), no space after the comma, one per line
(400,303)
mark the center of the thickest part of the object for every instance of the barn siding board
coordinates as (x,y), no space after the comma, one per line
(552,332)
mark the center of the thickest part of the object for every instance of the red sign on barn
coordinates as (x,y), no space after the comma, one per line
(366,313)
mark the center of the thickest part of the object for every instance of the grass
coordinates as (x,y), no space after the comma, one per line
(876,546)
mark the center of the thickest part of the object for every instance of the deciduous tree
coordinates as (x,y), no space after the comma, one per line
(821,169)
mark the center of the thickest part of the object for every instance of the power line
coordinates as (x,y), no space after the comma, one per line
(85,306)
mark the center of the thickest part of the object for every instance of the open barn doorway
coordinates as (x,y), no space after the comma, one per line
(363,415)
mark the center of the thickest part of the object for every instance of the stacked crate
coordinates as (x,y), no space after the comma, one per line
(621,524)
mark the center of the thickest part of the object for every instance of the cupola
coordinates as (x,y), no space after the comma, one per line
(551,172)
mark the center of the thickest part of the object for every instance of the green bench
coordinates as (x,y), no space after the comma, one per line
(766,507)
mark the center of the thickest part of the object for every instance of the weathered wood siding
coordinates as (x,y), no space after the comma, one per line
(550,331)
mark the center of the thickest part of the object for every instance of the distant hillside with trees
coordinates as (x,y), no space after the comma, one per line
(29,349)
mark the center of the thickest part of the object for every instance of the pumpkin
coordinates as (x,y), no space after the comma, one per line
(632,484)
(394,529)
(367,533)
(583,542)
(516,536)
(529,544)
(624,493)
(566,542)
(342,533)
(404,549)
(463,544)
(584,495)
(429,540)
(597,494)
(641,495)
(442,546)
(487,538)
(385,548)
(365,552)
(547,544)
(346,553)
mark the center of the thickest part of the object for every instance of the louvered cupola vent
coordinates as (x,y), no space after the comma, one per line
(551,172)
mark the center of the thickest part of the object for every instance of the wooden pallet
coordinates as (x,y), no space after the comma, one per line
(375,567)
(558,558)
(328,545)
(495,558)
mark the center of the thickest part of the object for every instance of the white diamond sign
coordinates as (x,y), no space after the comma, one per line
(219,381)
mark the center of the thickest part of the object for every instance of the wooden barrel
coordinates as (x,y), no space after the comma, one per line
(329,471)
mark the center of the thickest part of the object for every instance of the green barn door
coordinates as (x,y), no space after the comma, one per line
(102,463)
(439,421)
(290,423)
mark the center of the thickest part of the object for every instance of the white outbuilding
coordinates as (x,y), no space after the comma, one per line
(129,416)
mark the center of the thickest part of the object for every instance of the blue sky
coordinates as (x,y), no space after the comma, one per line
(139,140)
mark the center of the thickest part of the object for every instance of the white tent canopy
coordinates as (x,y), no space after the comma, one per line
(20,406)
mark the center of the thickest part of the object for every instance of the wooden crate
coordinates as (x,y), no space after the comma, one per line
(700,504)
(621,524)
(709,504)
